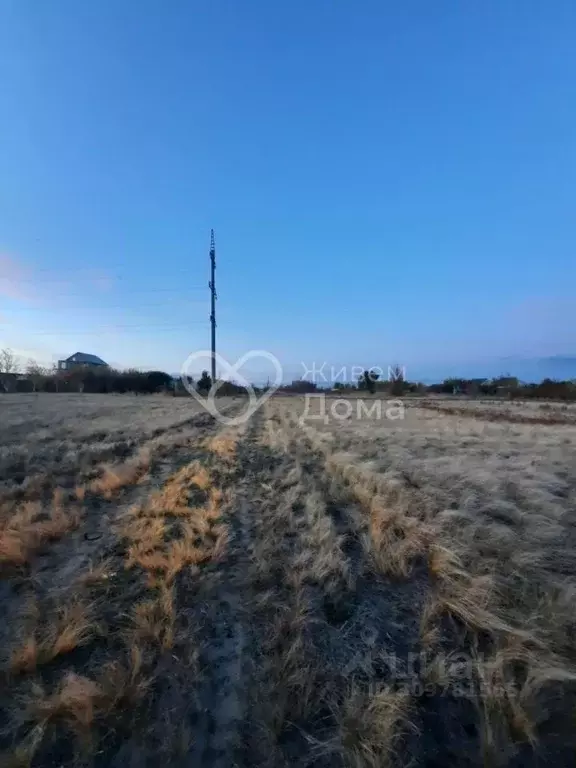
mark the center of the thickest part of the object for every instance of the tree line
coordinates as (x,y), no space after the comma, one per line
(396,385)
(33,377)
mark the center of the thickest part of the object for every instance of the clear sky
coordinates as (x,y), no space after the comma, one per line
(388,181)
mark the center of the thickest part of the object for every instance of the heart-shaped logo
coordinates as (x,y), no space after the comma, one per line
(229,372)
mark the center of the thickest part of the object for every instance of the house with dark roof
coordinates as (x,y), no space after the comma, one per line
(81,360)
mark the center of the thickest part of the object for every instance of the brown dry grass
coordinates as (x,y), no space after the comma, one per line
(487,556)
(70,627)
(80,492)
(115,477)
(153,620)
(30,526)
(395,539)
(74,702)
(223,445)
(161,545)
(509,711)
(166,534)
(25,657)
(126,681)
(60,685)
(477,581)
(74,706)
(396,535)
(399,533)
(351,543)
(174,498)
(370,727)
(291,690)
(472,599)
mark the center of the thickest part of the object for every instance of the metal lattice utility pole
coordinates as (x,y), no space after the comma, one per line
(213,297)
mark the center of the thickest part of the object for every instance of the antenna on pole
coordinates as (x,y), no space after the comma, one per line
(212,286)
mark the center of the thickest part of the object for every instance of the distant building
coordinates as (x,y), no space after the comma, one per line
(81,360)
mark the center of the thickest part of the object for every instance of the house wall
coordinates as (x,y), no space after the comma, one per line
(64,365)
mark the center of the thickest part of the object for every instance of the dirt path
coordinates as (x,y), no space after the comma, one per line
(225,655)
(292,622)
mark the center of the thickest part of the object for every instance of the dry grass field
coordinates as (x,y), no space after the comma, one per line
(362,592)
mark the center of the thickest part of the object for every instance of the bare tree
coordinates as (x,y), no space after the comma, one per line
(8,362)
(35,372)
(8,365)
(396,379)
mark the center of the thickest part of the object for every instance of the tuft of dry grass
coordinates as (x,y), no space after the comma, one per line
(31,527)
(223,445)
(74,705)
(197,475)
(72,626)
(174,497)
(510,711)
(165,534)
(395,540)
(74,702)
(470,598)
(24,658)
(396,535)
(153,620)
(292,689)
(370,726)
(125,681)
(80,492)
(115,477)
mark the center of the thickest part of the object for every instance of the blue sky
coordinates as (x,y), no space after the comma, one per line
(387,181)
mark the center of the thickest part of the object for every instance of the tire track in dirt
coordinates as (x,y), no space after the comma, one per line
(387,605)
(319,624)
(226,637)
(499,416)
(296,628)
